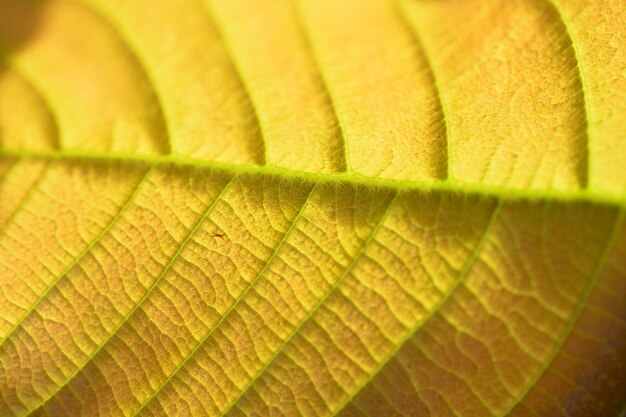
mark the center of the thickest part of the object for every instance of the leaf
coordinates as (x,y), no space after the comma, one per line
(312,207)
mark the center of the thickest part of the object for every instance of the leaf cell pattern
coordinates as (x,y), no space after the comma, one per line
(312,208)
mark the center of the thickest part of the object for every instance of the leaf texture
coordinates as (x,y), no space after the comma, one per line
(312,208)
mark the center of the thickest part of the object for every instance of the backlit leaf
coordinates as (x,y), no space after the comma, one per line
(312,208)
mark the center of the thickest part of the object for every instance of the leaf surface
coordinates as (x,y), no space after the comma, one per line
(312,208)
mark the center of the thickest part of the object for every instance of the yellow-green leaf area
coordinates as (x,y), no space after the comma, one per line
(312,208)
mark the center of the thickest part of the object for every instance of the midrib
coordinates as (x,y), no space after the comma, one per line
(509,193)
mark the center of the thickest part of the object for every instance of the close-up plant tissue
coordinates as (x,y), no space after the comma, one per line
(355,208)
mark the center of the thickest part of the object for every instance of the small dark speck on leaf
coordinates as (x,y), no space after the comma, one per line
(219,235)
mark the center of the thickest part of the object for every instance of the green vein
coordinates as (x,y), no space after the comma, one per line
(440,304)
(509,193)
(311,313)
(305,30)
(67,269)
(29,194)
(233,306)
(134,55)
(584,88)
(239,73)
(602,262)
(143,299)
(400,8)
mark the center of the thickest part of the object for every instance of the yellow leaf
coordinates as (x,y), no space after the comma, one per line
(312,208)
